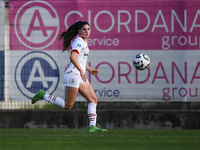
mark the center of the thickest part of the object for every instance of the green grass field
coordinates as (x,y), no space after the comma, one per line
(114,139)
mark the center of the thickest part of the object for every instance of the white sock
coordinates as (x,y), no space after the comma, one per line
(58,101)
(92,114)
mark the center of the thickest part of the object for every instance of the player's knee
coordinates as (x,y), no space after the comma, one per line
(68,106)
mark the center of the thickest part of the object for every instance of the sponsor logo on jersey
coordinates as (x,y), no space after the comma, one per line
(86,54)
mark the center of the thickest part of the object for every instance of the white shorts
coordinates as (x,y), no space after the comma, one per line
(72,79)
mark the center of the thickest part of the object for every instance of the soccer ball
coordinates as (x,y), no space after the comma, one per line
(141,61)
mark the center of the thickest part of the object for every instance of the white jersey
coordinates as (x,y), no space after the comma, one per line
(81,47)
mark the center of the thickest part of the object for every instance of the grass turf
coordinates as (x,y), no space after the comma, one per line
(114,139)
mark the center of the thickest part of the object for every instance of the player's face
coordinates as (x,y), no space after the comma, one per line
(85,31)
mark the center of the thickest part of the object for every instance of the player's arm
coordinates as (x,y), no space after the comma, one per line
(73,58)
(92,71)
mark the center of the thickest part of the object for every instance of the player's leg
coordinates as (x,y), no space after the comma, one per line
(87,91)
(71,82)
(70,97)
(41,95)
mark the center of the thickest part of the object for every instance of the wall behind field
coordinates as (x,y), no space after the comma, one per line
(110,119)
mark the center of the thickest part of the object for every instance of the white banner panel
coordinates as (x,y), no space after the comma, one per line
(172,75)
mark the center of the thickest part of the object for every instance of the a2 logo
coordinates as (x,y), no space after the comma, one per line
(36,25)
(34,71)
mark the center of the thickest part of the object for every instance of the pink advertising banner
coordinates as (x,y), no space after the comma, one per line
(115,25)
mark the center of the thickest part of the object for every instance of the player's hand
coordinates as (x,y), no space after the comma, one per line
(83,76)
(94,71)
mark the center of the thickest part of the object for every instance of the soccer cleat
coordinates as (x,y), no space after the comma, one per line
(38,96)
(96,129)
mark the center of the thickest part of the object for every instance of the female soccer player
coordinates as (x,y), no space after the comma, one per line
(74,78)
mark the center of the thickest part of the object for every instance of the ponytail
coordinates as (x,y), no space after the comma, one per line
(67,36)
